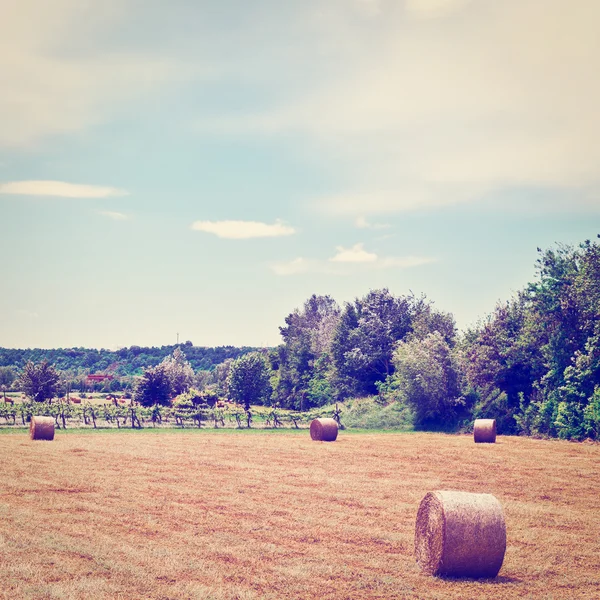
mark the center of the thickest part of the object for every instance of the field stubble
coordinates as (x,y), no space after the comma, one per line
(206,515)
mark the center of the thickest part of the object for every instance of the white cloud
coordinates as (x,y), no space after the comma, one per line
(241,230)
(404,262)
(416,104)
(362,223)
(436,112)
(60,189)
(347,261)
(356,254)
(115,216)
(410,196)
(60,77)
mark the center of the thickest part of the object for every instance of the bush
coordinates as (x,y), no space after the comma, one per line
(427,378)
(569,421)
(370,413)
(495,406)
(592,416)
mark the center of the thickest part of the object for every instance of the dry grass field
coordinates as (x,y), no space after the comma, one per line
(248,515)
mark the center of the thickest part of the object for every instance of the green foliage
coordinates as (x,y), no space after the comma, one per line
(527,417)
(123,362)
(189,398)
(538,416)
(533,365)
(7,378)
(569,421)
(542,349)
(591,416)
(320,389)
(369,330)
(371,413)
(302,362)
(427,379)
(426,319)
(495,405)
(215,381)
(179,372)
(248,380)
(505,355)
(365,338)
(9,413)
(153,387)
(39,382)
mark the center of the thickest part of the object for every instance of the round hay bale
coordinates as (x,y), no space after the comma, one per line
(460,534)
(41,428)
(324,430)
(484,431)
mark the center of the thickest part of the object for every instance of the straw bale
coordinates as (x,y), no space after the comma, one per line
(460,534)
(484,431)
(41,428)
(324,430)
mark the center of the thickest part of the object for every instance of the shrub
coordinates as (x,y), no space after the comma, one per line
(370,413)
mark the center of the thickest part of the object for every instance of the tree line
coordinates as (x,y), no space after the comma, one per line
(123,362)
(533,364)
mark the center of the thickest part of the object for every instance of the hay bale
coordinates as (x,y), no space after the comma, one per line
(484,431)
(324,430)
(41,428)
(460,534)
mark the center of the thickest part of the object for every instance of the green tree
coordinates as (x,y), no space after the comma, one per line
(364,340)
(303,359)
(565,303)
(219,377)
(7,377)
(536,361)
(248,380)
(39,382)
(427,378)
(426,319)
(504,361)
(153,387)
(179,372)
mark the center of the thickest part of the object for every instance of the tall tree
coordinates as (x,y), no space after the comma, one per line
(179,372)
(427,378)
(7,377)
(248,380)
(504,361)
(153,387)
(39,382)
(304,354)
(427,319)
(566,302)
(365,337)
(536,361)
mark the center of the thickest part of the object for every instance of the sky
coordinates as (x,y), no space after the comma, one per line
(195,170)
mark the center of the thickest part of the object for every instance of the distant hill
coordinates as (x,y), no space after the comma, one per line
(125,361)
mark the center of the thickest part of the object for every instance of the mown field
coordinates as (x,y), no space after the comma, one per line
(248,515)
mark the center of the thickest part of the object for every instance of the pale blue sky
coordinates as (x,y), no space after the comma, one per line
(202,168)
